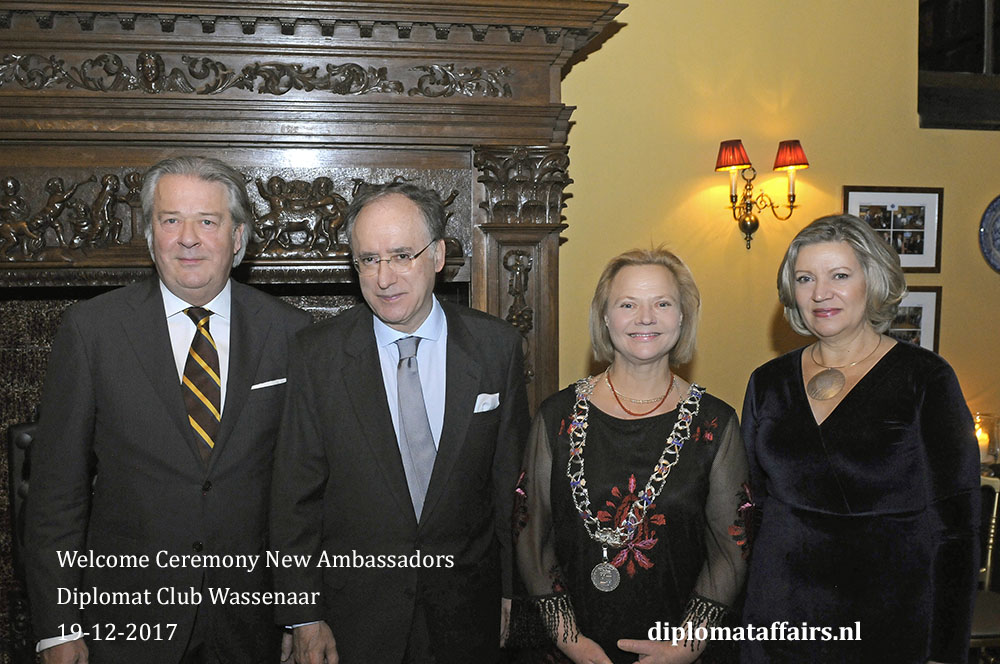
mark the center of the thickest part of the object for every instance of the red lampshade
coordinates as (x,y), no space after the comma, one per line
(790,156)
(732,156)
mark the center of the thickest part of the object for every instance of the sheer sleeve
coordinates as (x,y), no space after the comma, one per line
(722,576)
(953,467)
(535,546)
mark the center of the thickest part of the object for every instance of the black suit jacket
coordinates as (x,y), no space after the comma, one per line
(340,489)
(112,409)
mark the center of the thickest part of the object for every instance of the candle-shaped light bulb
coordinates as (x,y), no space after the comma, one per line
(984,442)
(733,158)
(790,158)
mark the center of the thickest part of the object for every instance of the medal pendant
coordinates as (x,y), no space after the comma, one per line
(826,384)
(605,576)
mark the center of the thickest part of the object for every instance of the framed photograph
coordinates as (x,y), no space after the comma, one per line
(908,218)
(919,318)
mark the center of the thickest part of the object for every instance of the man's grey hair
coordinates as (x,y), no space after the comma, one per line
(209,170)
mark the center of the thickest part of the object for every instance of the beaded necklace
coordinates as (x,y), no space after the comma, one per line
(605,576)
(658,400)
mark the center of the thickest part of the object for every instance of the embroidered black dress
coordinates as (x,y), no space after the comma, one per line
(686,558)
(870,517)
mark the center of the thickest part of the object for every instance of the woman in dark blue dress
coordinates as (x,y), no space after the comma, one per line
(864,465)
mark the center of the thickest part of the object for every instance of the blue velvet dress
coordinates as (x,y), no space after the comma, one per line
(868,520)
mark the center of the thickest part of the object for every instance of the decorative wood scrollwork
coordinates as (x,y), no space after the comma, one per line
(520,315)
(444,81)
(109,73)
(524,185)
(346,79)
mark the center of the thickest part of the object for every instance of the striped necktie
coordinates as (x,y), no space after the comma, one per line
(202,385)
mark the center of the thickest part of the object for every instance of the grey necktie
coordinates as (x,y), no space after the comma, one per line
(416,444)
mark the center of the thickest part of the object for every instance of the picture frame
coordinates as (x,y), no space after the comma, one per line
(908,218)
(918,320)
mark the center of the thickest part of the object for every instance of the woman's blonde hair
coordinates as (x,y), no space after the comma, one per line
(600,337)
(884,280)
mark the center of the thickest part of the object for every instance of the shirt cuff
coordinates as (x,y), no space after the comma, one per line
(54,641)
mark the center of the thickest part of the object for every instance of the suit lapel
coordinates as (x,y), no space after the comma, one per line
(147,333)
(247,340)
(362,375)
(462,379)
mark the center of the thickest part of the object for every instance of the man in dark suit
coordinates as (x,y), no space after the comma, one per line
(152,467)
(402,504)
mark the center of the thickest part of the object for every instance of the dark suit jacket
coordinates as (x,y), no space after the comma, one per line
(112,405)
(339,488)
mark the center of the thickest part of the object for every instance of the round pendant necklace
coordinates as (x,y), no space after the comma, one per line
(828,383)
(605,576)
(659,401)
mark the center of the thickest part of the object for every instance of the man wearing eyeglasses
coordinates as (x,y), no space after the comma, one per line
(398,457)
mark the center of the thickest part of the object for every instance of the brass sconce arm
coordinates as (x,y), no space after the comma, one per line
(743,209)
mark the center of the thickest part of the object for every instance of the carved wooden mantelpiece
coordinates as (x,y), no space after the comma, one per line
(287,90)
(293,72)
(307,99)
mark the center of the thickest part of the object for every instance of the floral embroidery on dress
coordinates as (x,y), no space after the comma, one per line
(645,537)
(742,529)
(519,516)
(705,430)
(558,584)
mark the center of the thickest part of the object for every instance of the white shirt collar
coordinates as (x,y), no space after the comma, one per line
(220,305)
(432,327)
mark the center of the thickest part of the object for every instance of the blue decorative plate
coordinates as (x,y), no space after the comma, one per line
(989,234)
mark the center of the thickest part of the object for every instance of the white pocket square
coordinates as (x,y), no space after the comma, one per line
(270,383)
(485,402)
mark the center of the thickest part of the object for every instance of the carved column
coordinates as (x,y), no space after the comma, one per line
(516,251)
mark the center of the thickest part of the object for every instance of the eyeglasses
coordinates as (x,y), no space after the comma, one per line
(401,262)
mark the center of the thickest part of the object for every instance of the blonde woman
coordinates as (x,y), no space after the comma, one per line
(865,467)
(632,481)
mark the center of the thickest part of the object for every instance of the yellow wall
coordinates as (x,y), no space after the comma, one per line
(681,75)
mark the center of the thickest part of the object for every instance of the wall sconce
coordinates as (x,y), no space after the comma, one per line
(733,158)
